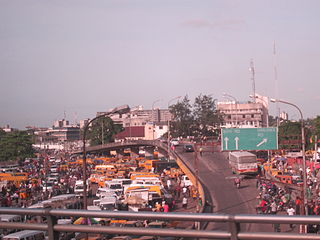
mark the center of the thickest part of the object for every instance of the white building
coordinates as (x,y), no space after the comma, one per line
(243,114)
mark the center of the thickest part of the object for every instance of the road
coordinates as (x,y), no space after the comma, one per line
(214,174)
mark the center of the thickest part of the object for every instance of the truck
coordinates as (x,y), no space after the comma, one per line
(243,162)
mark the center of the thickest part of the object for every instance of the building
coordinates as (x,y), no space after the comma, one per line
(244,115)
(154,122)
(140,117)
(131,133)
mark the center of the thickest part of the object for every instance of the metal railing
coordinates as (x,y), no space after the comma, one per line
(232,221)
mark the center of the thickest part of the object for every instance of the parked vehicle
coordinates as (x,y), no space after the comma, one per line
(25,235)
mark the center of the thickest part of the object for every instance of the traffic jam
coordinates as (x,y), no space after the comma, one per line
(140,183)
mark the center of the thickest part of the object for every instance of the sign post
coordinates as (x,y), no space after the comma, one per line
(237,139)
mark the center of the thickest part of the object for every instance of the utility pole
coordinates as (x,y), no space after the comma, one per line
(276,82)
(253,80)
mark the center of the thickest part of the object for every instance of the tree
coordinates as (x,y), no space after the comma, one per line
(290,135)
(102,130)
(16,146)
(200,120)
(206,116)
(182,123)
(316,125)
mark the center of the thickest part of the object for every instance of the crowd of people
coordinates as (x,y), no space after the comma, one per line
(280,198)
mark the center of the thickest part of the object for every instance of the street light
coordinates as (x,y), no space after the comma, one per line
(178,97)
(266,101)
(120,110)
(153,125)
(236,103)
(303,152)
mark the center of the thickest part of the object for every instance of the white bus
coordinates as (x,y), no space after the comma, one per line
(243,162)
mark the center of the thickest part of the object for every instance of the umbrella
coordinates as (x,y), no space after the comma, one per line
(85,221)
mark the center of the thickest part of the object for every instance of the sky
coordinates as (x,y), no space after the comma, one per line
(73,58)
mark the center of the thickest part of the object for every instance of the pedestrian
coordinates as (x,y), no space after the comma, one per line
(184,191)
(184,202)
(169,183)
(273,207)
(166,207)
(298,205)
(178,191)
(200,151)
(158,207)
(291,212)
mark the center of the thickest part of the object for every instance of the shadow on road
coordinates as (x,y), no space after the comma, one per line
(235,205)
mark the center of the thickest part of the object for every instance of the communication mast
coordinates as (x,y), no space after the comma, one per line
(251,69)
(276,82)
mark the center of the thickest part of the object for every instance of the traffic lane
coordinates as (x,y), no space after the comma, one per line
(215,173)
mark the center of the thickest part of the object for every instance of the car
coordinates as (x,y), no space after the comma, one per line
(174,142)
(188,148)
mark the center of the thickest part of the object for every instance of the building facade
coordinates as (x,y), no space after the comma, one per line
(243,115)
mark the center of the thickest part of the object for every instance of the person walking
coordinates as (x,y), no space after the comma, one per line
(298,205)
(291,212)
(184,202)
(273,207)
(200,151)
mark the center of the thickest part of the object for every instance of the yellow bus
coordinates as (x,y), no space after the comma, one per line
(103,169)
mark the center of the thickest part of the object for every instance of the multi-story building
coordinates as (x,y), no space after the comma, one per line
(154,121)
(243,115)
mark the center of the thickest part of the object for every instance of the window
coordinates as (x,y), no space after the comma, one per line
(243,116)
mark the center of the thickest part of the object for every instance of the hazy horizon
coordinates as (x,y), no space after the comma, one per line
(79,57)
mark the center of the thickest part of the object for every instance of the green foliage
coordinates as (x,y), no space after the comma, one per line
(15,146)
(316,125)
(290,135)
(198,120)
(182,118)
(206,117)
(102,131)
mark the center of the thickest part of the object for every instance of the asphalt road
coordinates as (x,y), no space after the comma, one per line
(214,173)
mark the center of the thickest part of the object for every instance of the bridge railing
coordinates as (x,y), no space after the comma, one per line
(233,224)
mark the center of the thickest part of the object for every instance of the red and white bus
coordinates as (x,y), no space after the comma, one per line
(243,163)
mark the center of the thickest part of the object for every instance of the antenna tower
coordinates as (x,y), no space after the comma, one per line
(253,80)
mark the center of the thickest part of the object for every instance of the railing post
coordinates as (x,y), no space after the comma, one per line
(234,228)
(52,221)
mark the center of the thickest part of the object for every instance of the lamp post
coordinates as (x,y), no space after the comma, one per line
(236,103)
(119,110)
(153,125)
(178,97)
(303,153)
(267,107)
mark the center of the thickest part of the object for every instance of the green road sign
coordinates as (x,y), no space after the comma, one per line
(233,139)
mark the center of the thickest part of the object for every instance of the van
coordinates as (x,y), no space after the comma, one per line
(147,180)
(10,218)
(79,188)
(186,181)
(105,192)
(102,169)
(25,235)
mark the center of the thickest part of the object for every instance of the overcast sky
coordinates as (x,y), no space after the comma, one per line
(82,56)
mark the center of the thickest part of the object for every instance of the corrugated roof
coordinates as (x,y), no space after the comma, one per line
(134,131)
